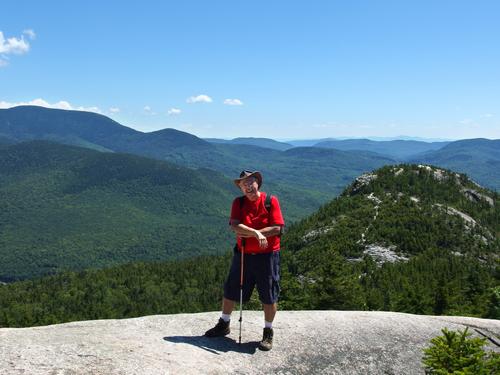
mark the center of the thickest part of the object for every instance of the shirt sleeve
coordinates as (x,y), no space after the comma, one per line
(276,218)
(234,219)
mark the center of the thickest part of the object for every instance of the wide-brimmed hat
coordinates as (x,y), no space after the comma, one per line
(246,174)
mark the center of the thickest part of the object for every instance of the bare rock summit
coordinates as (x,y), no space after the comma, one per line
(306,342)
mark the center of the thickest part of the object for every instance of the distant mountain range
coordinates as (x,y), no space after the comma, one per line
(398,149)
(312,142)
(329,174)
(480,158)
(304,177)
(260,142)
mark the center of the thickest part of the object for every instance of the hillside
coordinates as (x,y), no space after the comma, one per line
(70,208)
(306,342)
(479,158)
(405,238)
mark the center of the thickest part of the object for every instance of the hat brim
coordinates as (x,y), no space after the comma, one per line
(255,174)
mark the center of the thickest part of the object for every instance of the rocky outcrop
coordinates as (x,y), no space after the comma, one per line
(384,254)
(475,196)
(363,180)
(306,342)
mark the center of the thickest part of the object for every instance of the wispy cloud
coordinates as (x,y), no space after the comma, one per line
(233,102)
(486,115)
(114,110)
(43,103)
(30,33)
(174,111)
(467,121)
(149,110)
(199,99)
(14,46)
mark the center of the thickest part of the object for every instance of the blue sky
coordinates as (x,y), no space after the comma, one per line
(278,69)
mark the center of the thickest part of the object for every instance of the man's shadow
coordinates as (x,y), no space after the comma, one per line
(215,345)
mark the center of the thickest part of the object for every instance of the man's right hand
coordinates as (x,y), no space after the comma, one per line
(262,239)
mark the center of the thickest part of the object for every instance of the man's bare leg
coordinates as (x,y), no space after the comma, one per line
(270,311)
(227,306)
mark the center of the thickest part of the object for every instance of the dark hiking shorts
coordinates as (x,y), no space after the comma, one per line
(261,270)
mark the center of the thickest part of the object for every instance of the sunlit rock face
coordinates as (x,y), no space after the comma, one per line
(305,342)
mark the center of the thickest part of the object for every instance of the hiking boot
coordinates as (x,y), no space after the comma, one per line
(267,340)
(220,329)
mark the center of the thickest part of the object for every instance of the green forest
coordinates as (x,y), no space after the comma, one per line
(67,208)
(446,264)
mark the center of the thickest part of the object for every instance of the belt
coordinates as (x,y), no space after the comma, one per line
(257,253)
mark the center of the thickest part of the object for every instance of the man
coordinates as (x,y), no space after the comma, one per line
(258,229)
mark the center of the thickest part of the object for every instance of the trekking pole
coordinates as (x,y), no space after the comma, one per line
(241,283)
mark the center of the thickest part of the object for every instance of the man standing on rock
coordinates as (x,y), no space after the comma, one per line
(258,223)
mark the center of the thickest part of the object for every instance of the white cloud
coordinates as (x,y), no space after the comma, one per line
(89,109)
(487,115)
(199,99)
(233,102)
(326,125)
(174,111)
(466,121)
(114,110)
(149,110)
(14,46)
(30,33)
(43,103)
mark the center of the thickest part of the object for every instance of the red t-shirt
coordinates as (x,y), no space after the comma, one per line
(255,215)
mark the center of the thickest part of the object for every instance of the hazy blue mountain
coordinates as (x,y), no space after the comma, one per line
(479,158)
(312,142)
(307,142)
(4,141)
(405,138)
(261,142)
(399,149)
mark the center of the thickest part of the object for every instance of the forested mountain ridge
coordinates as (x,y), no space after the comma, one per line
(91,130)
(479,158)
(403,238)
(70,208)
(411,238)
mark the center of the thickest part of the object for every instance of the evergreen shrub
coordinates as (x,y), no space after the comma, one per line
(458,354)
